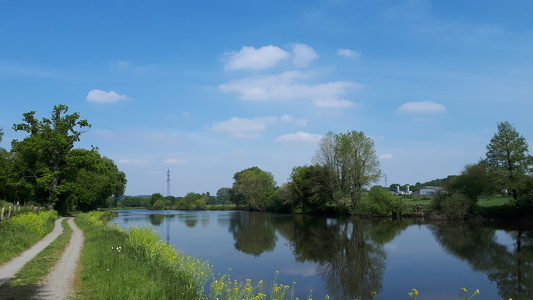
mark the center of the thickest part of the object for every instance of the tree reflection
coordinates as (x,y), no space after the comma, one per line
(156,219)
(253,232)
(349,251)
(510,267)
(190,220)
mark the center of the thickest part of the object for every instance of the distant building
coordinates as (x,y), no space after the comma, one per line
(398,192)
(427,191)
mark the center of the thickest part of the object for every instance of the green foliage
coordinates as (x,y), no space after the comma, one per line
(45,168)
(133,201)
(380,201)
(353,162)
(452,206)
(91,179)
(223,196)
(473,182)
(135,265)
(253,189)
(159,204)
(308,190)
(149,202)
(42,155)
(192,201)
(507,158)
(22,231)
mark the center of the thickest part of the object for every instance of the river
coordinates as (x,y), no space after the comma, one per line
(348,258)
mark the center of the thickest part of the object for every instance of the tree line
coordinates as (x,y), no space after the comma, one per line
(44,168)
(343,168)
(346,165)
(506,169)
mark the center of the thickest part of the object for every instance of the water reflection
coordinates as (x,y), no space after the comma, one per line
(348,252)
(253,232)
(348,258)
(510,266)
(156,219)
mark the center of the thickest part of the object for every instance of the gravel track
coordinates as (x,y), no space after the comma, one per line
(59,284)
(9,269)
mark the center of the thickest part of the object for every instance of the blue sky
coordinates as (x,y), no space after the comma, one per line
(209,88)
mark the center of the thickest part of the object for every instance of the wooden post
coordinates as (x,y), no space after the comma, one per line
(9,213)
(2,216)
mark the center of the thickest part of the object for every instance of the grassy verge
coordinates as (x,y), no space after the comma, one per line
(22,231)
(136,264)
(116,264)
(25,283)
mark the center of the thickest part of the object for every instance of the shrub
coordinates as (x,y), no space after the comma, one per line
(455,206)
(379,201)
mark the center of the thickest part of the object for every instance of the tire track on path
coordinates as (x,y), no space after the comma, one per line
(11,268)
(59,283)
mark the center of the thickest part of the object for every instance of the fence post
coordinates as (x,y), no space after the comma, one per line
(9,213)
(2,216)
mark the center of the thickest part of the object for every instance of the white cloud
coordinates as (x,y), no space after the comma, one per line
(132,162)
(244,127)
(299,137)
(288,86)
(303,55)
(422,107)
(385,156)
(174,161)
(122,64)
(348,53)
(250,58)
(99,96)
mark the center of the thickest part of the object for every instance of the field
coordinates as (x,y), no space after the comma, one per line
(483,201)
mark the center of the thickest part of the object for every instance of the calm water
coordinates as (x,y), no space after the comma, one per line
(348,258)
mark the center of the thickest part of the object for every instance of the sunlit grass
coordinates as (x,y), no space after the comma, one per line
(25,283)
(117,264)
(22,231)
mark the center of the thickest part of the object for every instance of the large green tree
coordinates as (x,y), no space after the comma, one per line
(353,161)
(508,159)
(473,182)
(223,195)
(90,180)
(253,189)
(309,189)
(4,168)
(41,156)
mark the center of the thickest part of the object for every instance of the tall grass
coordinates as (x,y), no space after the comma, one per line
(135,264)
(26,281)
(22,231)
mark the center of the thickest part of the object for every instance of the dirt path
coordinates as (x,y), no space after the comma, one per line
(9,269)
(59,284)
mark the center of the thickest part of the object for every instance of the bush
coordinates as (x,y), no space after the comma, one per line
(159,204)
(379,201)
(455,206)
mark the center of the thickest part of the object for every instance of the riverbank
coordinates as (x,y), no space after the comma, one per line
(136,264)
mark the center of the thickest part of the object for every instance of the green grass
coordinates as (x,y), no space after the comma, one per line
(23,231)
(494,201)
(116,264)
(25,282)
